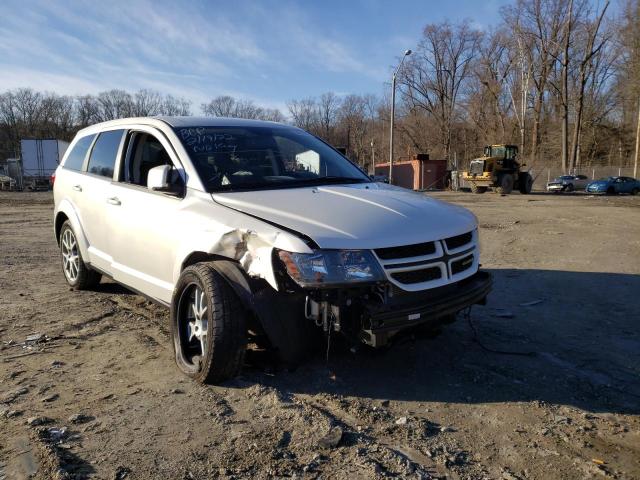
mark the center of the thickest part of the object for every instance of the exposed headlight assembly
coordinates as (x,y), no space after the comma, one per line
(324,268)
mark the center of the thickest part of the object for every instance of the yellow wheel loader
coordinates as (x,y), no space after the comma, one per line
(499,170)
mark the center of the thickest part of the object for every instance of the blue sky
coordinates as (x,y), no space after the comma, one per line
(267,51)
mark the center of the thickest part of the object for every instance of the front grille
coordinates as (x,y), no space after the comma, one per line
(462,264)
(476,168)
(459,241)
(405,251)
(417,276)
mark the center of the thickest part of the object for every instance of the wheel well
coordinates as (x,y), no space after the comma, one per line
(197,257)
(60,219)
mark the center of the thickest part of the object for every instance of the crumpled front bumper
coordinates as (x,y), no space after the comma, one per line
(434,306)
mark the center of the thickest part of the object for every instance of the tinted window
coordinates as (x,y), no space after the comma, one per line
(76,156)
(144,153)
(103,155)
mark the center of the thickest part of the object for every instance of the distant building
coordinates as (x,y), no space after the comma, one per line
(418,172)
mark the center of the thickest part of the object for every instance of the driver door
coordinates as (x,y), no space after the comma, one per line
(145,224)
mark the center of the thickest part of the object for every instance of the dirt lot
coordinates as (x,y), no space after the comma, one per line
(98,395)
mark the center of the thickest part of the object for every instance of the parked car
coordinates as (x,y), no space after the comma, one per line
(241,224)
(614,185)
(567,183)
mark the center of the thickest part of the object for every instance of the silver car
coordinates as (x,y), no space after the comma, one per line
(241,225)
(568,183)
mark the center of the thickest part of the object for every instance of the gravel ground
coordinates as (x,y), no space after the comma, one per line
(94,393)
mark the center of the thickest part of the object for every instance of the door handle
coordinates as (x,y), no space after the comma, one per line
(114,201)
(77,188)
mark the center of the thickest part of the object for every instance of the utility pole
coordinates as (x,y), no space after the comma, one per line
(635,161)
(393,114)
(373,158)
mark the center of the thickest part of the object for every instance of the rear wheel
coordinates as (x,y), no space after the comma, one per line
(505,185)
(208,326)
(78,275)
(635,191)
(525,183)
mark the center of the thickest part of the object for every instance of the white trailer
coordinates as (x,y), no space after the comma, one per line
(40,158)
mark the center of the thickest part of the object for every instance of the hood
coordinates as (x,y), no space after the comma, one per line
(367,216)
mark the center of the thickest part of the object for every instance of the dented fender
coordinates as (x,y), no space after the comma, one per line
(250,245)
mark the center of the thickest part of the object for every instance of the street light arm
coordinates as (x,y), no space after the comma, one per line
(393,108)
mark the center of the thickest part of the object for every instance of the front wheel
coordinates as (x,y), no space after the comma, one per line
(78,275)
(208,326)
(477,189)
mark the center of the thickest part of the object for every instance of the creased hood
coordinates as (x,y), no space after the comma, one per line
(355,216)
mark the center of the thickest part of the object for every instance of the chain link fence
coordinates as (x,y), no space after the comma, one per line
(542,175)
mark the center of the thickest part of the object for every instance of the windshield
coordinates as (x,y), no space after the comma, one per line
(253,158)
(497,151)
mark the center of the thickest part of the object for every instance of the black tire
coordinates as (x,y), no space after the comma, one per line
(635,191)
(226,338)
(85,278)
(505,184)
(611,191)
(293,337)
(477,189)
(525,183)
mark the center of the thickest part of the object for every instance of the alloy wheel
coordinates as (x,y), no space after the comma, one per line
(70,256)
(193,322)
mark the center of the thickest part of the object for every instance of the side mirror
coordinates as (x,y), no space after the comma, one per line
(158,178)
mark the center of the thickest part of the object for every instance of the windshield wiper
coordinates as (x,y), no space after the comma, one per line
(331,179)
(298,182)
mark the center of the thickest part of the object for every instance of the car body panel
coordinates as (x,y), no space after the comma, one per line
(568,182)
(355,216)
(144,239)
(614,184)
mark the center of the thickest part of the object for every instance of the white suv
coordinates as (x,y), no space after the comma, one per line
(241,225)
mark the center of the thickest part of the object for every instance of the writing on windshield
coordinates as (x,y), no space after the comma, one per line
(241,158)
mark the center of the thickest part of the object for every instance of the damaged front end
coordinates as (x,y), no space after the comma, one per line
(368,307)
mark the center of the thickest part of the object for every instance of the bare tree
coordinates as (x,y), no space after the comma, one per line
(146,103)
(304,113)
(433,77)
(114,104)
(328,106)
(593,42)
(174,106)
(226,106)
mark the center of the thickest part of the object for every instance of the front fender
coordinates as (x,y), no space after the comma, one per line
(250,250)
(68,209)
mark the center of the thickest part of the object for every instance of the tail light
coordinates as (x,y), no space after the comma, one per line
(52,179)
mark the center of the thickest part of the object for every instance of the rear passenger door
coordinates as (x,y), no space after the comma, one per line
(97,196)
(145,226)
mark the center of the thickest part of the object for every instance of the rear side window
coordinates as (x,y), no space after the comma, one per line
(103,155)
(76,156)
